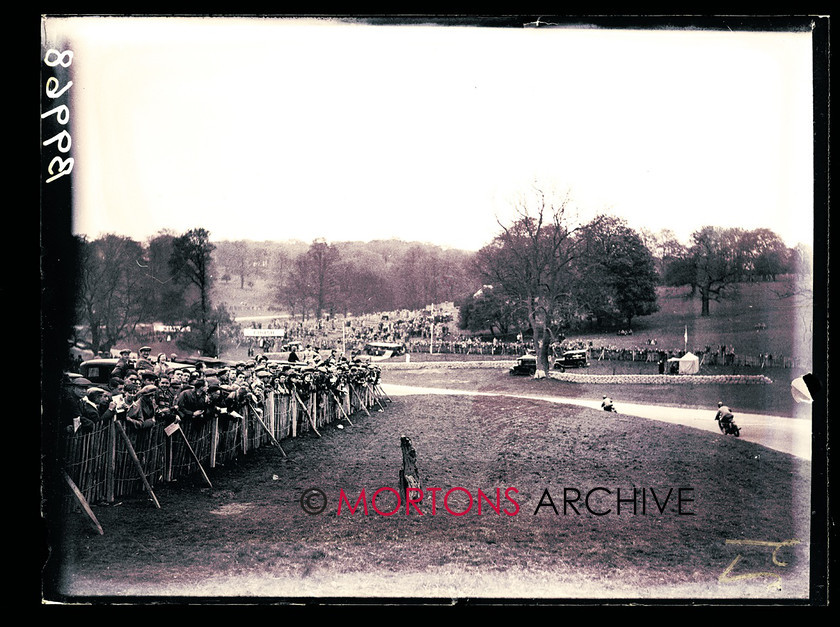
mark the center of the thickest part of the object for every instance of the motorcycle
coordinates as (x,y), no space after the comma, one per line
(727,426)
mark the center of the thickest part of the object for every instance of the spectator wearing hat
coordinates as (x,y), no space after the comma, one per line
(105,405)
(144,362)
(214,399)
(132,386)
(77,413)
(141,414)
(123,365)
(147,377)
(191,403)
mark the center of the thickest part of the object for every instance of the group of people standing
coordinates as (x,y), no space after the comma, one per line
(144,392)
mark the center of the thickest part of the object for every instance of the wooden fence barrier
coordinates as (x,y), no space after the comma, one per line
(103,465)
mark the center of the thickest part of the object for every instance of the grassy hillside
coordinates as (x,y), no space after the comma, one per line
(788,321)
(259,298)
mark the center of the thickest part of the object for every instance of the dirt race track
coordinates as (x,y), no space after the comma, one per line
(712,517)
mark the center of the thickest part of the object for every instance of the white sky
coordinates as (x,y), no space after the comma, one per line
(270,129)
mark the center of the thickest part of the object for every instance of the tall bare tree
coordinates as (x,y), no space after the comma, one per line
(191,265)
(529,262)
(111,294)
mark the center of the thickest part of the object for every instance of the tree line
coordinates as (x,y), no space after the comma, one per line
(545,275)
(542,274)
(122,283)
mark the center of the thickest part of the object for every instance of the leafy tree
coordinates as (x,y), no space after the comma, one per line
(296,289)
(239,261)
(765,255)
(164,294)
(321,260)
(616,271)
(716,257)
(310,284)
(486,311)
(362,288)
(209,335)
(665,248)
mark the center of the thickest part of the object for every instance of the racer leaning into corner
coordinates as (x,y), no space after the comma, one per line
(724,416)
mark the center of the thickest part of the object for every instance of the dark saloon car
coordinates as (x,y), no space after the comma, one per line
(525,365)
(99,370)
(571,359)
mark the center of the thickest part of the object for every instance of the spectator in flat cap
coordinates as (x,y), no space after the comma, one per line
(214,401)
(148,377)
(144,362)
(192,402)
(141,414)
(124,364)
(76,413)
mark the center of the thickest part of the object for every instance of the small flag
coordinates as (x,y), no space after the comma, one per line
(686,334)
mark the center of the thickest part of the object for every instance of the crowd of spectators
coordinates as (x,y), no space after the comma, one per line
(354,332)
(145,392)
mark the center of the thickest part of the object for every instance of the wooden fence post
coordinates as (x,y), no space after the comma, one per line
(111,462)
(137,464)
(214,439)
(244,422)
(83,502)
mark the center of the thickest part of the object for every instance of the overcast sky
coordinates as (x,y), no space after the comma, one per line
(270,129)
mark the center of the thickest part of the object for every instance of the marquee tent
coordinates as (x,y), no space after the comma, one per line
(687,364)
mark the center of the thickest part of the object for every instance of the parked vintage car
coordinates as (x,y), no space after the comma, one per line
(571,359)
(99,370)
(380,349)
(525,365)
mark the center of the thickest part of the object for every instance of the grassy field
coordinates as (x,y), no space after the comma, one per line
(788,321)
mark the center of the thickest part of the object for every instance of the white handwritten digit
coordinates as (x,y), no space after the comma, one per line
(62,164)
(63,146)
(52,85)
(64,59)
(62,114)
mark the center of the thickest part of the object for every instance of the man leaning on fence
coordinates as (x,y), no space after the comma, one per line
(141,414)
(192,401)
(79,413)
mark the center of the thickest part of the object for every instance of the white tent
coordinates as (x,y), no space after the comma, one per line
(687,364)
